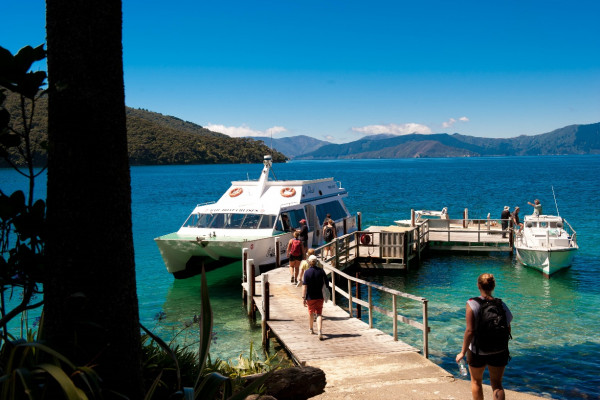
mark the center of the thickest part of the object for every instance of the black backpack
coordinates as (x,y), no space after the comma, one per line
(328,234)
(493,331)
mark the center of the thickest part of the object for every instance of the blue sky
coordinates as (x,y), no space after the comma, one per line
(341,69)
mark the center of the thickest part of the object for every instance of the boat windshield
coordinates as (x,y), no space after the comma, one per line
(230,221)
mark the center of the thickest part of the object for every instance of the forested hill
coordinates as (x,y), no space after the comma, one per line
(158,139)
(573,139)
(155,139)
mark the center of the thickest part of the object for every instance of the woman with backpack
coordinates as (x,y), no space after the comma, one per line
(329,234)
(486,338)
(295,251)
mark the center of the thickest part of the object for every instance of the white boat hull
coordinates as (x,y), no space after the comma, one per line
(255,215)
(544,260)
(178,250)
(543,244)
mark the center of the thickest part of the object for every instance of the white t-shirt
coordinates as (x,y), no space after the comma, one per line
(475,307)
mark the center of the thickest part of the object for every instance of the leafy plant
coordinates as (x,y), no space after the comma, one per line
(214,379)
(22,222)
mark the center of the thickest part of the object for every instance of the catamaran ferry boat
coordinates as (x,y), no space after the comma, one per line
(254,215)
(544,244)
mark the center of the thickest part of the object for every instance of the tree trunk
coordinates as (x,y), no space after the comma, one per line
(91,311)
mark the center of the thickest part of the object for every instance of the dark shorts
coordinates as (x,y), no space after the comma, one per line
(315,306)
(295,258)
(495,360)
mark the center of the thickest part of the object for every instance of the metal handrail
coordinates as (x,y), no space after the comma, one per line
(349,242)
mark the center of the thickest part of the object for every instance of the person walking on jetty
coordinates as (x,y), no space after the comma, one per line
(505,216)
(515,218)
(304,266)
(312,294)
(295,251)
(304,233)
(537,207)
(486,338)
(329,234)
(327,219)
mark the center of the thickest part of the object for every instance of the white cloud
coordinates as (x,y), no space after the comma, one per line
(241,131)
(452,121)
(395,129)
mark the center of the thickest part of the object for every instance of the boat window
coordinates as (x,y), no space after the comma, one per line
(334,208)
(295,217)
(543,224)
(230,221)
(251,221)
(267,222)
(218,221)
(198,221)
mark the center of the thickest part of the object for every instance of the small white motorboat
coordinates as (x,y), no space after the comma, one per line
(254,215)
(422,215)
(545,244)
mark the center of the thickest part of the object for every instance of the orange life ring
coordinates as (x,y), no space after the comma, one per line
(288,192)
(235,192)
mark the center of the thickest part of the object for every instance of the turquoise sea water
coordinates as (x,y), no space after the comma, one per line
(556,330)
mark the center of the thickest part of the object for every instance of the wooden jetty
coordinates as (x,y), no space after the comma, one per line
(358,360)
(375,247)
(396,247)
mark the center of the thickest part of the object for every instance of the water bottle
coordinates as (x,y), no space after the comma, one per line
(462,367)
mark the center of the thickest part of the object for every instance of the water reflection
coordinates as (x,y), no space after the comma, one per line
(233,331)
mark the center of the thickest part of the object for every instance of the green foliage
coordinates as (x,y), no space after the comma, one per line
(179,370)
(22,222)
(15,74)
(20,143)
(31,370)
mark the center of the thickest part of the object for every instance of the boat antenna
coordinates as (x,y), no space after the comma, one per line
(555,204)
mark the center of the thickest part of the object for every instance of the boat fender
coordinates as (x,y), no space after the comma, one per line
(235,192)
(365,238)
(288,192)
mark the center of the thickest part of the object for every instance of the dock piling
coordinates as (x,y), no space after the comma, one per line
(425,331)
(251,285)
(265,310)
(277,253)
(357,293)
(244,276)
(370,307)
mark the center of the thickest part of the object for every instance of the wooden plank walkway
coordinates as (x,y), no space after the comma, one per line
(343,335)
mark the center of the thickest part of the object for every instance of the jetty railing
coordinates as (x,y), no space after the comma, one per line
(355,298)
(474,228)
(347,247)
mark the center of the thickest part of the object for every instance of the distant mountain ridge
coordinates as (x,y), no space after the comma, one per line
(293,145)
(573,139)
(154,138)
